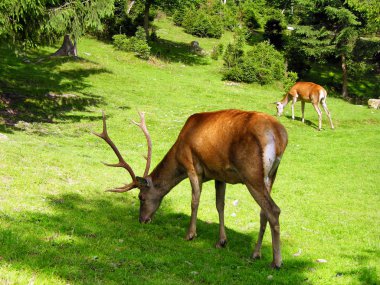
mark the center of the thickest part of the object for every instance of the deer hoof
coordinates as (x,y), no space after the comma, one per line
(276,266)
(190,236)
(256,255)
(221,243)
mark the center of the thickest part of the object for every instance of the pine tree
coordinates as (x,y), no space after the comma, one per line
(340,22)
(31,23)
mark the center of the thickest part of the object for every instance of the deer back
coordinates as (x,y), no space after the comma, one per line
(230,145)
(308,92)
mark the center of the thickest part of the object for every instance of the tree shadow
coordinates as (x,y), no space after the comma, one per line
(170,51)
(99,240)
(360,88)
(41,92)
(365,274)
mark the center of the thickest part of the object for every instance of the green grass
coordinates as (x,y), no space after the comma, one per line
(58,226)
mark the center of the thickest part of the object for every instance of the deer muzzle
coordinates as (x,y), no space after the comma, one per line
(144,220)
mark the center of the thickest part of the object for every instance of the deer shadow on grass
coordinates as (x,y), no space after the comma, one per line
(307,122)
(43,92)
(99,240)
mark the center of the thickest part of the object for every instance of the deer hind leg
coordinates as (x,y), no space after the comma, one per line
(324,105)
(263,225)
(220,188)
(263,217)
(271,212)
(319,112)
(196,186)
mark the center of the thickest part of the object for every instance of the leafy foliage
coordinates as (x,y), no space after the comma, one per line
(40,22)
(262,64)
(327,30)
(136,44)
(203,24)
(217,51)
(122,23)
(306,45)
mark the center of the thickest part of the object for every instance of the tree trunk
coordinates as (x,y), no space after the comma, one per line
(68,48)
(146,19)
(344,77)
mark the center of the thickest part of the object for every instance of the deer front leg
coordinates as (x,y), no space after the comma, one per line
(220,188)
(294,100)
(303,111)
(196,186)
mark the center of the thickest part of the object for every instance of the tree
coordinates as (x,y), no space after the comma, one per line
(305,45)
(343,21)
(344,27)
(31,23)
(148,4)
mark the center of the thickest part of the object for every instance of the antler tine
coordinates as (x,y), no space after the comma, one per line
(121,163)
(142,126)
(124,188)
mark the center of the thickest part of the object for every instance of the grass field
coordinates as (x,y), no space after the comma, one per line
(58,226)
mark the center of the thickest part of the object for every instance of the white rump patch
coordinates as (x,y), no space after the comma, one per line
(322,95)
(269,157)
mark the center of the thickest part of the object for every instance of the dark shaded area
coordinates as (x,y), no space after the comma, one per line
(176,52)
(33,90)
(367,275)
(308,122)
(360,89)
(99,240)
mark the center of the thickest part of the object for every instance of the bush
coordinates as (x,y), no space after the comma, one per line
(234,52)
(262,64)
(217,51)
(136,44)
(178,16)
(232,56)
(201,24)
(289,80)
(122,23)
(252,14)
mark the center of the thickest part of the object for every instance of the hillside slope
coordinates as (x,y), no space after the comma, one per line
(58,226)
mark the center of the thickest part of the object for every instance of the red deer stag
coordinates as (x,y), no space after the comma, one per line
(306,92)
(229,146)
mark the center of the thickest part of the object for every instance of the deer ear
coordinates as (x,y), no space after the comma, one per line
(142,182)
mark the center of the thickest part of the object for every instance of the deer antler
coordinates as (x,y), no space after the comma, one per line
(143,127)
(122,162)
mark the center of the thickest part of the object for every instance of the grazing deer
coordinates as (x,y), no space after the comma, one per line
(229,146)
(306,92)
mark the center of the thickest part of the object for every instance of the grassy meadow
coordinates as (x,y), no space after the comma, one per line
(58,226)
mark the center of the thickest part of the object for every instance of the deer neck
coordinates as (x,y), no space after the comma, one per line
(167,173)
(285,100)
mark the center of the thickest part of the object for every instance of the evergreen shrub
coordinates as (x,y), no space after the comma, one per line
(262,64)
(136,44)
(200,23)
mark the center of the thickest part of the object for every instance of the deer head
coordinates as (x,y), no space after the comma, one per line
(149,198)
(280,108)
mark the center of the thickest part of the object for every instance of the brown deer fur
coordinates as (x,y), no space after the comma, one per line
(229,146)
